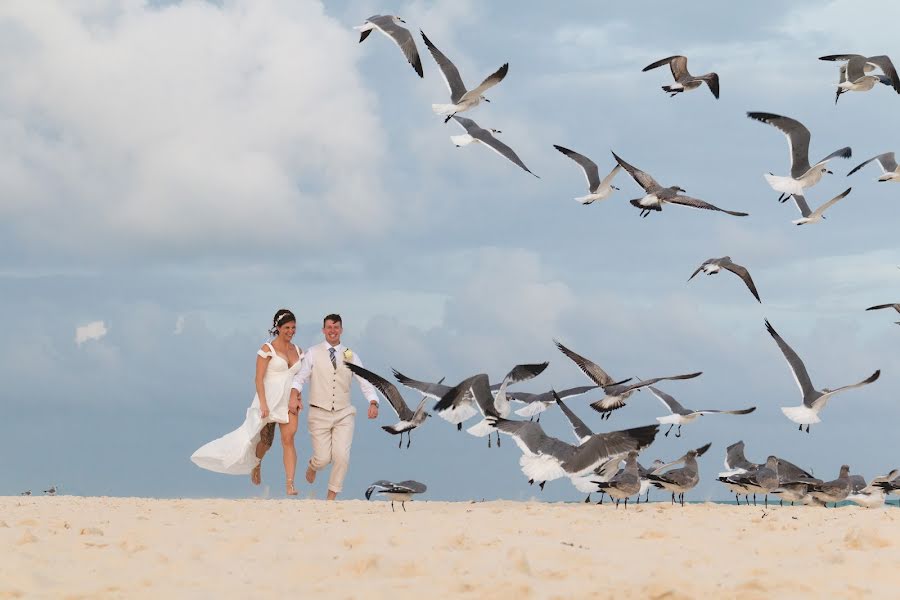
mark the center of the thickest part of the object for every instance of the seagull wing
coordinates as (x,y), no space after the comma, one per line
(487,138)
(870,379)
(797,135)
(802,206)
(582,431)
(518,374)
(696,203)
(603,446)
(712,81)
(880,306)
(490,81)
(589,167)
(744,274)
(448,70)
(828,204)
(643,179)
(648,382)
(668,401)
(798,369)
(845,152)
(712,411)
(576,391)
(410,486)
(387,389)
(402,37)
(700,268)
(591,369)
(886,161)
(884,63)
(677,64)
(432,390)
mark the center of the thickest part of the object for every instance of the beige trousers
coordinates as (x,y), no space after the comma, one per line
(331,433)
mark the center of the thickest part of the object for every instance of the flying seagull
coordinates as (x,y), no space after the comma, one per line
(599,189)
(895,306)
(814,216)
(813,400)
(464,407)
(625,483)
(684,81)
(854,74)
(461,98)
(475,133)
(409,419)
(711,266)
(889,168)
(681,415)
(401,492)
(680,480)
(657,195)
(535,404)
(390,26)
(737,464)
(617,392)
(802,174)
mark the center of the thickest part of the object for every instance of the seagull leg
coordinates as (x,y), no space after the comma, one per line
(678,434)
(449,117)
(539,418)
(800,428)
(403,506)
(682,499)
(541,485)
(767,501)
(400,445)
(459,426)
(781,197)
(392,506)
(588,499)
(626,503)
(754,499)
(666,434)
(408,439)
(807,429)
(673,497)
(489,440)
(780,502)
(531,482)
(737,499)
(498,439)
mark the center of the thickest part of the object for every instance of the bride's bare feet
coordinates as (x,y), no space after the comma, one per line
(256,475)
(310,475)
(291,491)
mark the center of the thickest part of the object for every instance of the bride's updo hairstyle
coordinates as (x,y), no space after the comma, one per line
(282,316)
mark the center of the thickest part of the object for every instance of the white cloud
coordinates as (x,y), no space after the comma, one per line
(187,126)
(94,330)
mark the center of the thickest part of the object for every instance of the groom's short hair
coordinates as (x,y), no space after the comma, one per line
(333,317)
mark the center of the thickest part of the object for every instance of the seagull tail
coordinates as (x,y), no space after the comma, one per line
(443,109)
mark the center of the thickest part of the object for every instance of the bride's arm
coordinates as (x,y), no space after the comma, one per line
(262,362)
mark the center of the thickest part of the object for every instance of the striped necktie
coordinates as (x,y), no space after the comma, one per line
(333,359)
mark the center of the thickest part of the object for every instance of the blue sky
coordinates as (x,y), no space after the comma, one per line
(178,171)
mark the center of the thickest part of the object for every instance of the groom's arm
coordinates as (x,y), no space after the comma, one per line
(367,388)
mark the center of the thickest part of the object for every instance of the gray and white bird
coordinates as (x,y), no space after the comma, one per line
(794,483)
(681,415)
(52,491)
(890,171)
(763,478)
(535,404)
(835,490)
(890,483)
(401,492)
(803,175)
(617,392)
(586,483)
(737,464)
(657,195)
(477,134)
(867,494)
(409,419)
(854,74)
(680,480)
(600,189)
(712,266)
(461,99)
(894,305)
(390,25)
(625,483)
(814,216)
(25,493)
(684,81)
(462,409)
(813,400)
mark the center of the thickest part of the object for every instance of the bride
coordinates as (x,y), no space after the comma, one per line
(240,452)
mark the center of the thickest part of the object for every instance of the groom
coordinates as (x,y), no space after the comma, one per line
(331,416)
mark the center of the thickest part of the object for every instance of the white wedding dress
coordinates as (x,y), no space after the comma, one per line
(235,452)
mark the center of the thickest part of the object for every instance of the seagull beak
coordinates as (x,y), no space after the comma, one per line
(615,188)
(401,20)
(497,131)
(829,172)
(486,100)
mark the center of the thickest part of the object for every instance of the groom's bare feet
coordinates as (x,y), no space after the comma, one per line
(310,475)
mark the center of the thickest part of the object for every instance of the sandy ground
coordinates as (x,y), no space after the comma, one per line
(76,547)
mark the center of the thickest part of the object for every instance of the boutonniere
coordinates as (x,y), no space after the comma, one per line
(348,355)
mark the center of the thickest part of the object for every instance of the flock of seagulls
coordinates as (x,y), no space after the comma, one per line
(608,463)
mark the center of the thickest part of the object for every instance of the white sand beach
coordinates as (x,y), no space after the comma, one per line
(82,547)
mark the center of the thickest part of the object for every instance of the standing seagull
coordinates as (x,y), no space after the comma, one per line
(814,216)
(895,306)
(835,490)
(764,478)
(396,492)
(681,415)
(737,464)
(657,195)
(680,480)
(813,399)
(52,491)
(890,171)
(617,392)
(409,419)
(475,133)
(390,26)
(854,78)
(461,98)
(535,404)
(625,483)
(684,81)
(711,266)
(599,190)
(794,483)
(802,174)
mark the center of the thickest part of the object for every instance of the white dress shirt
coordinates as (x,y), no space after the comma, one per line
(306,366)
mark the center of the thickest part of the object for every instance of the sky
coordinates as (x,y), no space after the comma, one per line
(172,173)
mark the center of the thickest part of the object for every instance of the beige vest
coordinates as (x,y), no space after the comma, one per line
(329,388)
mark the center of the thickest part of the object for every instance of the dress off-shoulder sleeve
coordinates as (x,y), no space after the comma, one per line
(266,353)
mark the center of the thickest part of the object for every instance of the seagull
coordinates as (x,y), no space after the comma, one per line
(681,415)
(475,133)
(463,408)
(396,492)
(684,81)
(586,483)
(813,400)
(657,195)
(867,495)
(794,483)
(802,174)
(461,98)
(835,490)
(890,171)
(492,406)
(25,493)
(737,464)
(535,404)
(625,483)
(890,483)
(599,190)
(52,491)
(815,216)
(711,266)
(895,306)
(680,480)
(390,26)
(763,478)
(617,392)
(854,76)
(409,419)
